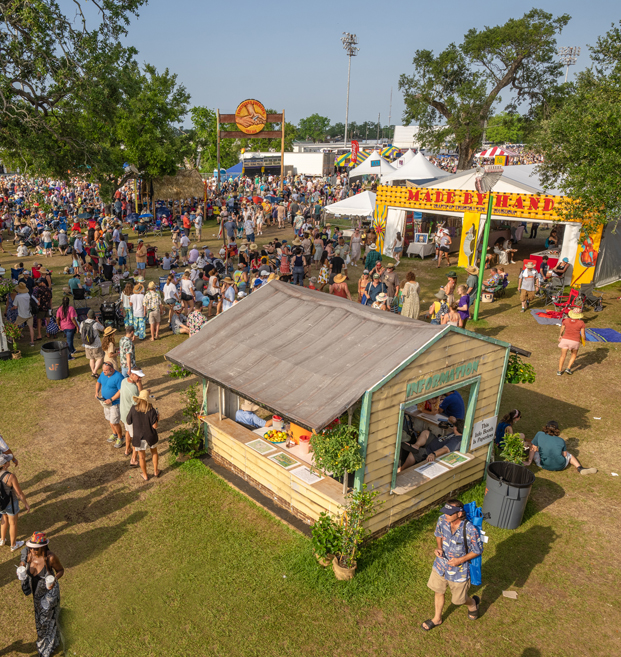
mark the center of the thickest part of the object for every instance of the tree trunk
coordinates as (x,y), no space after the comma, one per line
(467,151)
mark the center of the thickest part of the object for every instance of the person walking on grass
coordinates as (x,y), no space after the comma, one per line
(573,332)
(89,332)
(456,545)
(130,388)
(10,494)
(143,418)
(108,392)
(67,319)
(153,307)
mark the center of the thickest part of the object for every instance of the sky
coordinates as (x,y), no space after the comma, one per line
(288,55)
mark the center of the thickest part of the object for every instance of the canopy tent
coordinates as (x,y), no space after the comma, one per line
(235,171)
(419,170)
(496,150)
(344,159)
(360,205)
(403,159)
(374,164)
(390,151)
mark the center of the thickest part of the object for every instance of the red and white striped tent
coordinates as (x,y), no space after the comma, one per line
(496,150)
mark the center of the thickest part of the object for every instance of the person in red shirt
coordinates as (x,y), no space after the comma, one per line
(572,333)
(186,224)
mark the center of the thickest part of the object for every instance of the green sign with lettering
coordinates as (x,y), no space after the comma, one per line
(450,375)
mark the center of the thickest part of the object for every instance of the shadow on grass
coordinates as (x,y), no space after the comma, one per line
(491,331)
(588,358)
(19,647)
(531,652)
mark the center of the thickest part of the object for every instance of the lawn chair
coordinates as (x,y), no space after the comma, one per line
(157,228)
(552,289)
(79,294)
(564,303)
(589,299)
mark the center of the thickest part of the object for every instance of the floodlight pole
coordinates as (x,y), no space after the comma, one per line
(350,42)
(568,56)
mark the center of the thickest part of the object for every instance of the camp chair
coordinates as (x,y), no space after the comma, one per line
(79,295)
(589,299)
(141,229)
(552,289)
(157,227)
(564,303)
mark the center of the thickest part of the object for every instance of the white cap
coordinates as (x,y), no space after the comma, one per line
(139,373)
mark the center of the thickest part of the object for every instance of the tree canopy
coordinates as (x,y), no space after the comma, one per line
(314,127)
(581,141)
(505,128)
(451,95)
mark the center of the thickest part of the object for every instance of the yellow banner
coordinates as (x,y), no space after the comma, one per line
(469,232)
(586,258)
(522,206)
(379,225)
(500,159)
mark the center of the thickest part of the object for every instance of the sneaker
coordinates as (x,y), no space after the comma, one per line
(119,443)
(71,358)
(523,310)
(568,372)
(2,542)
(112,438)
(559,373)
(586,471)
(17,545)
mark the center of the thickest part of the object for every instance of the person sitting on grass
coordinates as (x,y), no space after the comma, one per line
(548,451)
(178,320)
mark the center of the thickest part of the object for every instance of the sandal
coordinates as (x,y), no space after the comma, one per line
(133,465)
(473,615)
(430,625)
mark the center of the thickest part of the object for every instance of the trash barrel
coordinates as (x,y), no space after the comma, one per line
(56,357)
(506,493)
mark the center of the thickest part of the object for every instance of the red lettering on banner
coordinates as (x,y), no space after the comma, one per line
(427,198)
(480,199)
(439,197)
(519,204)
(534,203)
(411,196)
(450,197)
(502,201)
(548,204)
(468,198)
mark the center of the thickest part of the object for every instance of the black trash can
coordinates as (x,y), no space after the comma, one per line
(56,357)
(506,493)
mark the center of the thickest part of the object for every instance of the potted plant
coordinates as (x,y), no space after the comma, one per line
(508,485)
(358,508)
(13,334)
(325,538)
(337,451)
(518,371)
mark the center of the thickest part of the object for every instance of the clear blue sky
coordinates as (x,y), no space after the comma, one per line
(289,55)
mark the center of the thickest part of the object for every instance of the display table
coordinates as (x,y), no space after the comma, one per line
(553,258)
(422,250)
(295,451)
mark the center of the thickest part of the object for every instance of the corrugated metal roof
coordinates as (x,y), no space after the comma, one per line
(303,353)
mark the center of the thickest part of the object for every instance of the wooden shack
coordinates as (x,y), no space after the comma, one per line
(310,357)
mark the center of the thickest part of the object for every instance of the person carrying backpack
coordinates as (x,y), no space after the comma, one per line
(457,542)
(9,504)
(89,332)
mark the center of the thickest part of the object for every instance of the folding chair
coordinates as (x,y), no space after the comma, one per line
(157,228)
(80,295)
(589,299)
(553,288)
(564,303)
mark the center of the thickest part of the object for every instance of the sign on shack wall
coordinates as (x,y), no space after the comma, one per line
(483,432)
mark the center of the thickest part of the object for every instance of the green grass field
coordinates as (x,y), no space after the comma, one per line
(185,565)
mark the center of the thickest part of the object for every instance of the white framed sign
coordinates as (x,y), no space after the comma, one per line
(483,432)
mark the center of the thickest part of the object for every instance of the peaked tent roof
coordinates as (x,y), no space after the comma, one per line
(360,205)
(290,370)
(375,163)
(399,161)
(235,170)
(419,168)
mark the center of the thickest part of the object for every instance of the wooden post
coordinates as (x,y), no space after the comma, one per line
(218,147)
(220,403)
(136,195)
(282,152)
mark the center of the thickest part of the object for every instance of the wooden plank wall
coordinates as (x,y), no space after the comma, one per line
(451,351)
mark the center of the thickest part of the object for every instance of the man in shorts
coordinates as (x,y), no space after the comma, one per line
(528,285)
(131,387)
(456,545)
(108,392)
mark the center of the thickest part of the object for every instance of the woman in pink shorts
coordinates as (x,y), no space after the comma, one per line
(572,333)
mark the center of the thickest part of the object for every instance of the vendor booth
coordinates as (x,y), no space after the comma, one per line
(325,358)
(375,164)
(418,170)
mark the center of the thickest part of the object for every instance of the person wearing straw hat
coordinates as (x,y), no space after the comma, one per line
(228,295)
(381,302)
(438,308)
(11,494)
(143,419)
(339,288)
(373,257)
(108,344)
(247,414)
(24,314)
(39,573)
(572,334)
(528,285)
(472,282)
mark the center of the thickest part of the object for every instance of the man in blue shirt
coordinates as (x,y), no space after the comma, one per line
(247,415)
(456,545)
(108,393)
(454,408)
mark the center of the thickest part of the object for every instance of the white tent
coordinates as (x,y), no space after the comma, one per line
(403,159)
(419,170)
(374,164)
(360,205)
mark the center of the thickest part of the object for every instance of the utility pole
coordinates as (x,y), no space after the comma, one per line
(378,127)
(568,56)
(390,110)
(350,43)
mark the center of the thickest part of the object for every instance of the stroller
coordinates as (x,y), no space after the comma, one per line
(111,314)
(151,257)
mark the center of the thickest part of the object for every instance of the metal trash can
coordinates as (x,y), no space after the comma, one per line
(506,493)
(56,357)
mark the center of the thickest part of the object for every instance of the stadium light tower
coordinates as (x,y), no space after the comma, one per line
(569,56)
(350,44)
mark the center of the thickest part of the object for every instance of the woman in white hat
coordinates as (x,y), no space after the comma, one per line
(381,302)
(143,418)
(572,334)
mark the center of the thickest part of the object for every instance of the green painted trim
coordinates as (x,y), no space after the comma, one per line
(204,409)
(490,451)
(474,383)
(409,360)
(485,338)
(363,437)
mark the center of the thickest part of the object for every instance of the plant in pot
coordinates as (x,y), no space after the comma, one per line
(358,508)
(508,485)
(518,371)
(187,441)
(325,538)
(337,451)
(13,334)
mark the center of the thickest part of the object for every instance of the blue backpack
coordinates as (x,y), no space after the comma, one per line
(474,515)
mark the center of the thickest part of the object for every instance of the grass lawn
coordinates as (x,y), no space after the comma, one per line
(185,565)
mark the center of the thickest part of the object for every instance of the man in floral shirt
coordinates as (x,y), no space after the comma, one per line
(152,304)
(457,542)
(196,321)
(127,353)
